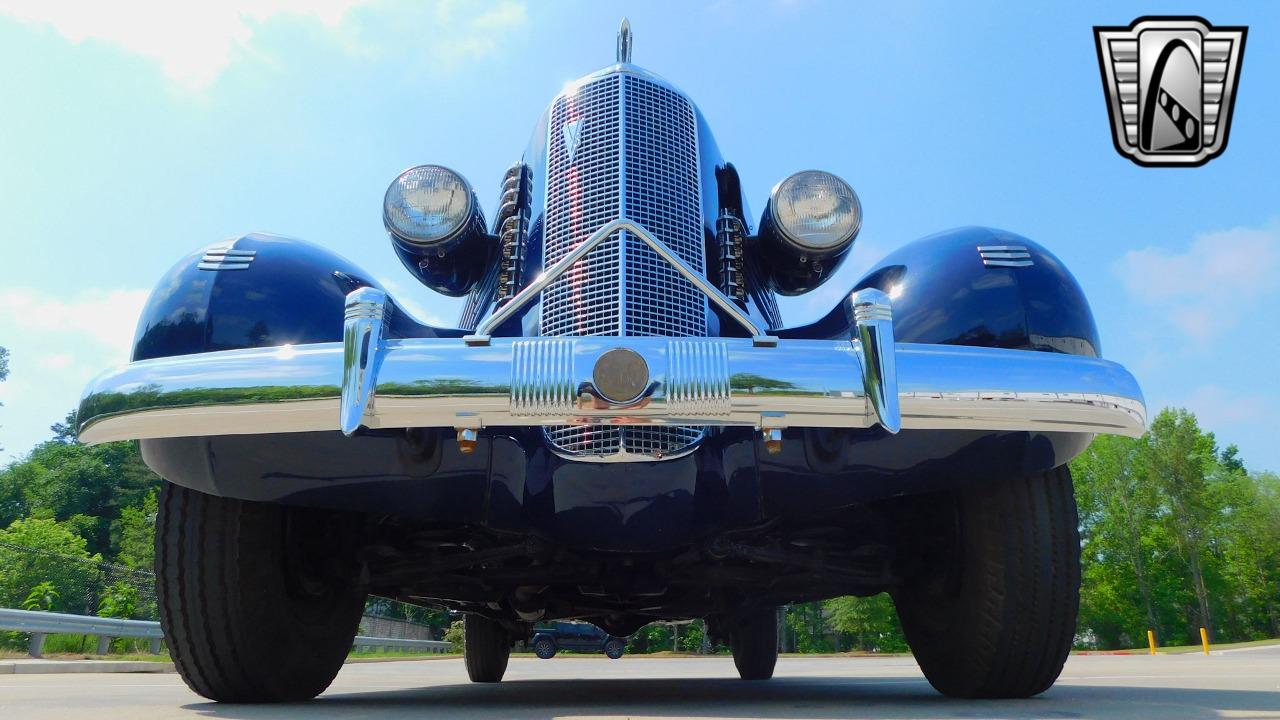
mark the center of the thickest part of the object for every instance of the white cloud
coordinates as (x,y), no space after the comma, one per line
(1200,289)
(56,345)
(194,42)
(105,317)
(458,33)
(1217,407)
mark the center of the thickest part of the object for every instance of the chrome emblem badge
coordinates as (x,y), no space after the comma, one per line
(225,257)
(1170,84)
(572,134)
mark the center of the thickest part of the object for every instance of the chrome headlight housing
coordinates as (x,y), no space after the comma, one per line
(428,205)
(815,211)
(807,230)
(437,229)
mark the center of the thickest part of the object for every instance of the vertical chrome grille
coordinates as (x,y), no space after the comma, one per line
(582,196)
(637,157)
(661,192)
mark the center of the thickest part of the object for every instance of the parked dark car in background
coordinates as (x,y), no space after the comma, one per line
(622,428)
(550,638)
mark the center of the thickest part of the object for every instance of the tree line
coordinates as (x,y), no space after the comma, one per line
(1177,534)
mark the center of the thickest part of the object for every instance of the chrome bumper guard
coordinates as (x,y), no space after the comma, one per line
(483,381)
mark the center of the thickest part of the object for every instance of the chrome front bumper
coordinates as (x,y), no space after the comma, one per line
(548,381)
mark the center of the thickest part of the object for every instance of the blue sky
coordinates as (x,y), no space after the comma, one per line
(131,133)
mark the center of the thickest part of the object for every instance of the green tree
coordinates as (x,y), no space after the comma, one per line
(693,637)
(866,623)
(654,637)
(135,535)
(68,430)
(42,597)
(39,550)
(86,487)
(806,629)
(1118,507)
(119,600)
(456,634)
(1178,459)
(1247,542)
(1176,535)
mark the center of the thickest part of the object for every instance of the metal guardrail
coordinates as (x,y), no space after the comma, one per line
(406,643)
(41,624)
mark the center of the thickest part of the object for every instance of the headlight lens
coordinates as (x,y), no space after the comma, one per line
(816,210)
(427,204)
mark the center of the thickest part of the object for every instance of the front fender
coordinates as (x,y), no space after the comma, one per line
(944,293)
(273,291)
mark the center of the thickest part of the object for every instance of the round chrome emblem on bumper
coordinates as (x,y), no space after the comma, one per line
(620,375)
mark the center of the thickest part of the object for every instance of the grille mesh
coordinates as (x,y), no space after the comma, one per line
(581,197)
(662,194)
(637,158)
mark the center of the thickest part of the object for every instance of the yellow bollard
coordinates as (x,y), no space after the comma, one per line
(1151,640)
(1204,640)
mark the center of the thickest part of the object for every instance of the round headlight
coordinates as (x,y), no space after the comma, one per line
(427,204)
(816,210)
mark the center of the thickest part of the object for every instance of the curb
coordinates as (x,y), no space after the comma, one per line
(50,667)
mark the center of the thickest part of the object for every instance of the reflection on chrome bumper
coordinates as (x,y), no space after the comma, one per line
(549,381)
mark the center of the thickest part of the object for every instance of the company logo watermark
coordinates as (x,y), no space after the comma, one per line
(1170,84)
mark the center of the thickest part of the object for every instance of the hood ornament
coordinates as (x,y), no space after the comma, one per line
(572,134)
(624,42)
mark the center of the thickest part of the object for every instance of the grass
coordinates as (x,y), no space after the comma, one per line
(65,645)
(8,654)
(397,654)
(1183,649)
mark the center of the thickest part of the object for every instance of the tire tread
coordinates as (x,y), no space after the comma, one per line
(1009,630)
(221,624)
(486,649)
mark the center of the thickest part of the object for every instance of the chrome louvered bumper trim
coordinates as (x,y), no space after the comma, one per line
(694,381)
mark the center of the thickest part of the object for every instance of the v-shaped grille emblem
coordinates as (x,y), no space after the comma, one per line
(572,133)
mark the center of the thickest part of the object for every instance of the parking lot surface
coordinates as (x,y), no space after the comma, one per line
(1231,685)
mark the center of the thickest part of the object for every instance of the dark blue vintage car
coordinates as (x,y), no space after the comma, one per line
(622,428)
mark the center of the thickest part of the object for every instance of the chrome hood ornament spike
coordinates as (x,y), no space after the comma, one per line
(624,41)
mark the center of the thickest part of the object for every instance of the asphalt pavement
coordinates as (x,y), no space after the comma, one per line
(1230,685)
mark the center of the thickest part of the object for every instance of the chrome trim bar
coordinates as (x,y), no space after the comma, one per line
(535,288)
(362,350)
(697,381)
(873,319)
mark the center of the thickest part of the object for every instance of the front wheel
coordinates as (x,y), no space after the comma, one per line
(614,649)
(998,621)
(754,640)
(486,649)
(255,603)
